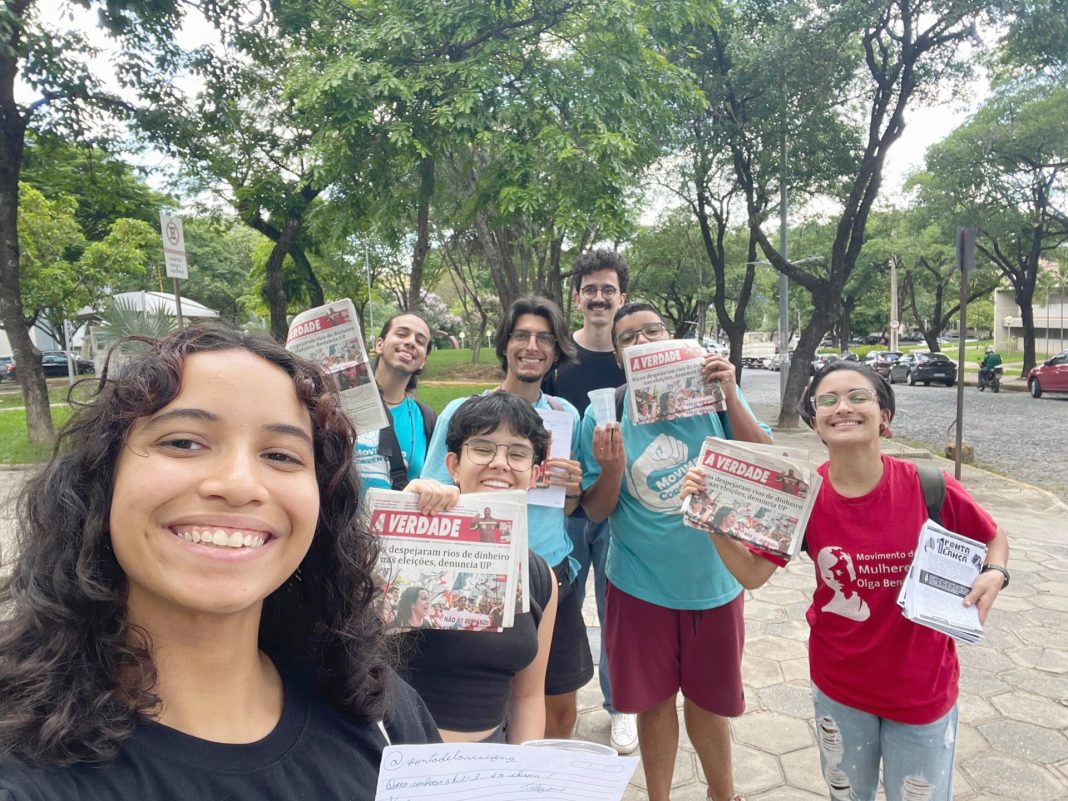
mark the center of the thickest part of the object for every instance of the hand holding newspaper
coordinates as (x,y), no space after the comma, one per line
(757,494)
(941,575)
(330,336)
(666,382)
(462,569)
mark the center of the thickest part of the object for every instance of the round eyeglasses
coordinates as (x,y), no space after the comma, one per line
(483,451)
(591,290)
(544,340)
(649,331)
(828,401)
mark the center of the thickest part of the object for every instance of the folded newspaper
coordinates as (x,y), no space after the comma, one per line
(757,494)
(330,336)
(941,575)
(666,382)
(464,569)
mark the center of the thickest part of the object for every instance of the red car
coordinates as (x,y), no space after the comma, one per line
(1049,377)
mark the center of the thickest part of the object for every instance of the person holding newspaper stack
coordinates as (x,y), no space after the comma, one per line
(673,616)
(488,686)
(884,688)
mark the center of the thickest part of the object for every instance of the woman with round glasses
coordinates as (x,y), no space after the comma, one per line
(884,688)
(488,686)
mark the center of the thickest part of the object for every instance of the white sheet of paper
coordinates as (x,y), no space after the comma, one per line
(559,424)
(458,772)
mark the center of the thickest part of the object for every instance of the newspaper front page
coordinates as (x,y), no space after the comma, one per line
(666,383)
(941,575)
(464,569)
(330,336)
(753,495)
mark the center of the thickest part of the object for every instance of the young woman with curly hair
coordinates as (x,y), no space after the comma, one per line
(189,614)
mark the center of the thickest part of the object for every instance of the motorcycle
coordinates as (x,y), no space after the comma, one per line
(990,378)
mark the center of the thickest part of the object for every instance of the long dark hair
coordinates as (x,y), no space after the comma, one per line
(75,674)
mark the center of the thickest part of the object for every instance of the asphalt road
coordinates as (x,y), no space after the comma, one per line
(1012,433)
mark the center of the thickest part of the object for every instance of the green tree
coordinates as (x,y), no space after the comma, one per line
(1017,200)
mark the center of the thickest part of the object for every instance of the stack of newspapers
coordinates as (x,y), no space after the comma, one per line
(760,495)
(465,569)
(940,576)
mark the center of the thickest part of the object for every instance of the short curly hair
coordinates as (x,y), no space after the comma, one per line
(76,675)
(593,261)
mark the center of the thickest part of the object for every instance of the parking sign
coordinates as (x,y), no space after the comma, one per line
(173,246)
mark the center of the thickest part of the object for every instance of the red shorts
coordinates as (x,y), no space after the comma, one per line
(653,652)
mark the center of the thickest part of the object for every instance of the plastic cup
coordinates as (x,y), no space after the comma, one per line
(604,405)
(584,746)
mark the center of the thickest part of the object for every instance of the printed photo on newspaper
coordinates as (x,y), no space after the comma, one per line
(330,336)
(666,383)
(463,569)
(754,496)
(941,575)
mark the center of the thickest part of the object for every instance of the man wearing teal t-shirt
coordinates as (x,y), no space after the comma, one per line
(392,457)
(673,616)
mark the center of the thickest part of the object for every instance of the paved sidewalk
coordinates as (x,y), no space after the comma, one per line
(1013,738)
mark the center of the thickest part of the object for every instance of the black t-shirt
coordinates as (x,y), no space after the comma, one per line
(314,754)
(465,677)
(590,369)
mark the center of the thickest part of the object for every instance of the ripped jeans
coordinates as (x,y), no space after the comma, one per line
(917,759)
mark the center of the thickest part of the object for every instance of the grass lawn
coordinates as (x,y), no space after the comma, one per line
(455,365)
(15,448)
(436,396)
(11,394)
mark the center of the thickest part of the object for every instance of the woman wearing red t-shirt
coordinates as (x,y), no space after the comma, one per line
(884,688)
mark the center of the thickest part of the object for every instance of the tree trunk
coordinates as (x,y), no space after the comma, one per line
(275,291)
(27,357)
(315,289)
(422,233)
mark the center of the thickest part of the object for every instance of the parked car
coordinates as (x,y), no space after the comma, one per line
(1050,376)
(54,363)
(821,360)
(4,362)
(925,367)
(912,336)
(875,339)
(881,360)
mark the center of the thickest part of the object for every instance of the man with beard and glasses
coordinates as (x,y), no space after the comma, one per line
(599,283)
(531,340)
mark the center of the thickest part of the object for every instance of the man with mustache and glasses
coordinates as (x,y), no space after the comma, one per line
(531,340)
(599,283)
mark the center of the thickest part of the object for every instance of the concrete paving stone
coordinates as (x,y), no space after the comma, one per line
(1016,779)
(802,769)
(975,709)
(1001,639)
(795,670)
(635,794)
(1049,685)
(777,648)
(754,771)
(781,596)
(589,696)
(1008,603)
(1031,709)
(963,789)
(755,628)
(969,741)
(595,727)
(983,657)
(764,611)
(758,671)
(1048,618)
(685,771)
(787,699)
(773,732)
(1051,660)
(1056,602)
(980,682)
(794,578)
(792,630)
(787,794)
(1053,587)
(1025,741)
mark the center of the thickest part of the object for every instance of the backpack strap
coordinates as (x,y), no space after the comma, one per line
(933,483)
(430,419)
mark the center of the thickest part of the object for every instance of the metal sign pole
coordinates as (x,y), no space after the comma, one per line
(965,263)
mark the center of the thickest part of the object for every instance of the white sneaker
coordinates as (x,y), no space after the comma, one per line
(624,732)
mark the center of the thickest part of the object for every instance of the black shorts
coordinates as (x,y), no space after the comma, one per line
(570,660)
